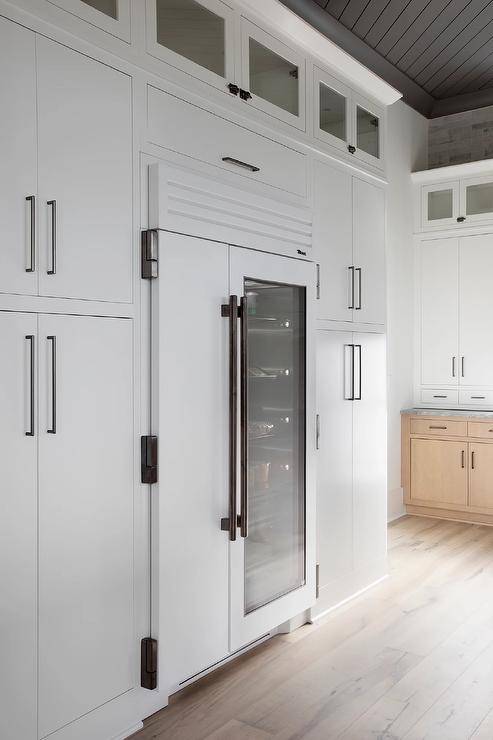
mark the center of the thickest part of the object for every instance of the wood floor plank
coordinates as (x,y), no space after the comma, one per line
(411,658)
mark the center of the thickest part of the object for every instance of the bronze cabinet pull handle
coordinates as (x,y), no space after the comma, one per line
(435,427)
(230,311)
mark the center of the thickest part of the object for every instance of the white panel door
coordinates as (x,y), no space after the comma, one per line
(18,180)
(438,321)
(369,252)
(87,647)
(332,240)
(191,354)
(85,176)
(18,527)
(334,458)
(370,450)
(273,553)
(476,310)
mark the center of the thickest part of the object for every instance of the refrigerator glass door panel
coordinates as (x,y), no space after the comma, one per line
(273,566)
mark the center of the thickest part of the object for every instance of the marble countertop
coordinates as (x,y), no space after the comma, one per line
(448,412)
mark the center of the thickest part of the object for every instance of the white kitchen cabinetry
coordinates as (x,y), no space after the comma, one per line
(239,485)
(455,197)
(351,468)
(67,519)
(67,205)
(454,318)
(18,526)
(18,182)
(347,121)
(112,16)
(85,176)
(349,245)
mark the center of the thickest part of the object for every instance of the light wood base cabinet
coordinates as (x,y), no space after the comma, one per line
(447,467)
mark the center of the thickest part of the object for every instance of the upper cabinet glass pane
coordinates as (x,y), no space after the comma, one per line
(332,112)
(273,78)
(479,198)
(440,204)
(108,7)
(368,137)
(191,30)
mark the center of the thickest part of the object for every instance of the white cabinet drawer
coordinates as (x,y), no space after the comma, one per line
(438,397)
(476,398)
(193,131)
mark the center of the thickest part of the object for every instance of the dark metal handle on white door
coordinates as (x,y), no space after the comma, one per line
(52,429)
(230,311)
(30,339)
(243,516)
(32,259)
(52,204)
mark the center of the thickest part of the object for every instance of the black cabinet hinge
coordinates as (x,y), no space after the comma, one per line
(149,254)
(148,458)
(148,663)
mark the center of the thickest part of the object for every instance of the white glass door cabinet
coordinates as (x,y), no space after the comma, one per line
(332,110)
(476,199)
(112,16)
(272,552)
(196,36)
(368,135)
(440,204)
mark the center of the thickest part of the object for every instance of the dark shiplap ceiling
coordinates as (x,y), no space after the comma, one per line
(443,48)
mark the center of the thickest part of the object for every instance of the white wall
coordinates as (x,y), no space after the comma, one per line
(407,137)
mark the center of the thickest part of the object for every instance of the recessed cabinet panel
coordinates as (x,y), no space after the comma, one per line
(439,471)
(439,285)
(369,298)
(112,16)
(481,476)
(18,182)
(18,525)
(85,176)
(274,74)
(86,505)
(197,36)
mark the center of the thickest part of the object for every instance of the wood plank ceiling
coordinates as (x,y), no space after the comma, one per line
(445,47)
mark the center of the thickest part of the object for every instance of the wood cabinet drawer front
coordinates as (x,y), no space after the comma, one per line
(439,397)
(188,129)
(476,398)
(439,427)
(482,429)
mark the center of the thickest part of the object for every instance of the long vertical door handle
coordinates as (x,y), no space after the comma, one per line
(359,271)
(350,396)
(32,238)
(462,459)
(243,517)
(453,367)
(472,459)
(462,366)
(30,339)
(358,397)
(317,432)
(52,204)
(230,311)
(52,429)
(351,286)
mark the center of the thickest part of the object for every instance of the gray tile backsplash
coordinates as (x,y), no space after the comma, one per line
(463,137)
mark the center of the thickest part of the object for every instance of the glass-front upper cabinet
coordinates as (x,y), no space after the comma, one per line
(347,121)
(440,204)
(477,199)
(273,75)
(194,35)
(112,16)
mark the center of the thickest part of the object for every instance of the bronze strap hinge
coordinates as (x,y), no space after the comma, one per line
(149,254)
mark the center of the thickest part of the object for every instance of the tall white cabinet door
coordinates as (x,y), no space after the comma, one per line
(18,180)
(191,349)
(334,461)
(332,239)
(85,176)
(438,321)
(369,252)
(18,438)
(476,310)
(370,451)
(272,559)
(87,648)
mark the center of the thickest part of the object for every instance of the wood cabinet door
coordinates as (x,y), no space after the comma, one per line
(438,472)
(438,315)
(481,476)
(85,176)
(335,540)
(18,180)
(86,504)
(369,252)
(18,526)
(476,310)
(332,241)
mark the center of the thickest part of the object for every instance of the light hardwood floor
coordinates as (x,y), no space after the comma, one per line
(412,658)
